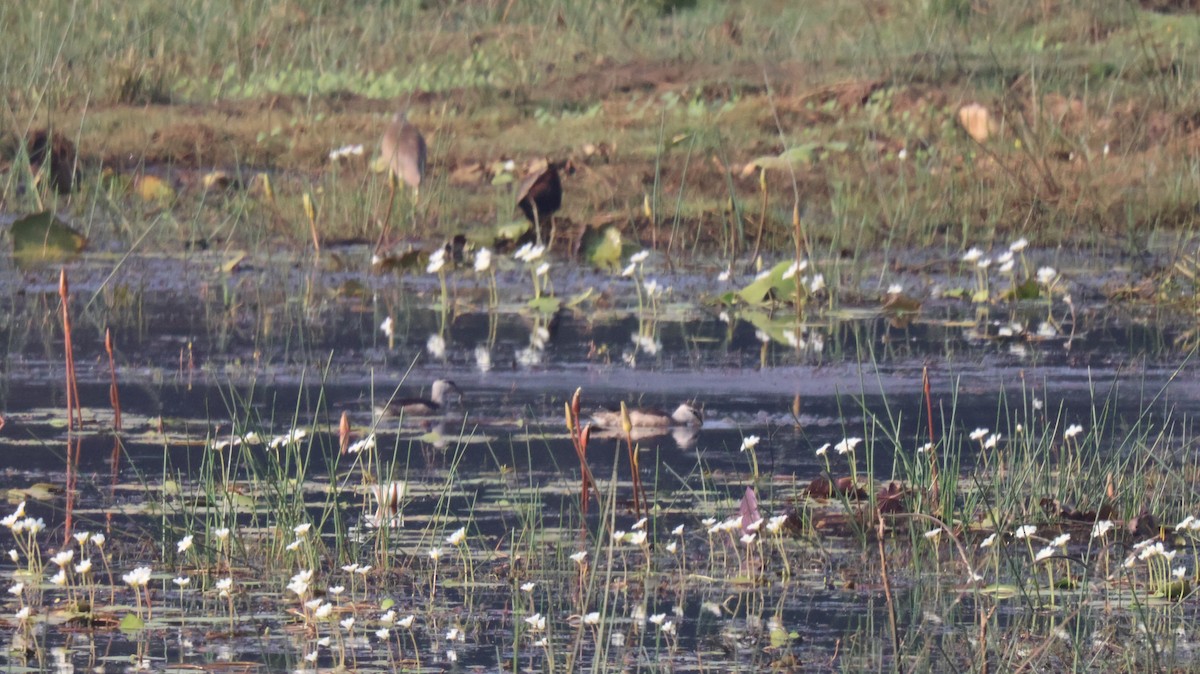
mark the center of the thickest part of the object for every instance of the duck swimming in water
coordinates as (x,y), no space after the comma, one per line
(647,418)
(436,403)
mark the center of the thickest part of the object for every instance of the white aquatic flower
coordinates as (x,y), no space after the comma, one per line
(762,336)
(224,586)
(314,604)
(388,327)
(724,276)
(817,284)
(640,524)
(747,539)
(847,445)
(791,270)
(323,611)
(1185,523)
(483,358)
(536,622)
(636,537)
(672,547)
(933,533)
(668,627)
(823,449)
(1018,245)
(1179,572)
(529,252)
(184,544)
(592,618)
(22,615)
(979,433)
(222,533)
(16,589)
(990,443)
(972,255)
(347,623)
(639,257)
(983,263)
(1072,431)
(1046,275)
(63,558)
(677,531)
(755,525)
(301,529)
(435,553)
(628,271)
(1099,529)
(366,444)
(452,656)
(59,579)
(579,557)
(336,590)
(749,442)
(1060,540)
(1045,553)
(543,269)
(437,260)
(407,621)
(989,541)
(388,618)
(775,524)
(382,633)
(1005,257)
(1024,531)
(651,286)
(895,289)
(1007,267)
(81,538)
(618,536)
(483,259)
(927,447)
(182,581)
(457,537)
(290,438)
(84,567)
(138,577)
(436,346)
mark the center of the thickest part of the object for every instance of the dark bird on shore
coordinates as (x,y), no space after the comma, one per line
(57,157)
(436,403)
(539,196)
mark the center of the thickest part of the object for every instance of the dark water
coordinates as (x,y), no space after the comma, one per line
(201,355)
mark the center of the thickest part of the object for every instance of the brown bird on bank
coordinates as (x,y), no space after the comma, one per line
(403,149)
(539,196)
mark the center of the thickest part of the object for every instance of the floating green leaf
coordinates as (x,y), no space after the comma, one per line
(770,286)
(604,246)
(42,237)
(545,305)
(132,623)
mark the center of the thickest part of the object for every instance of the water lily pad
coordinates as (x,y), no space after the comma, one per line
(132,623)
(545,305)
(603,246)
(42,237)
(769,286)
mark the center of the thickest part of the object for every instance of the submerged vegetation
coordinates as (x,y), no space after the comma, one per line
(921,277)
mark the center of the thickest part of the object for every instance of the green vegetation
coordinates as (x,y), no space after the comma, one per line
(666,111)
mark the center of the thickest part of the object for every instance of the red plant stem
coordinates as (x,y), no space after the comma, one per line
(74,411)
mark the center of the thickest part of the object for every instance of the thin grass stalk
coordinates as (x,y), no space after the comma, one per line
(74,411)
